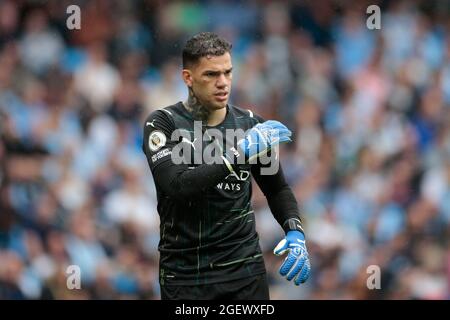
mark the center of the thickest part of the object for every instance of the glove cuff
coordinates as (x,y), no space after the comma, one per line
(293,224)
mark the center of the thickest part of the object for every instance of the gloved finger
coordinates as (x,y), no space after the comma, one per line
(284,139)
(303,274)
(274,124)
(267,131)
(262,127)
(274,130)
(281,247)
(281,140)
(274,137)
(296,268)
(288,263)
(281,132)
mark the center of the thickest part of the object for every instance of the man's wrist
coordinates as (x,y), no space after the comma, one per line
(293,224)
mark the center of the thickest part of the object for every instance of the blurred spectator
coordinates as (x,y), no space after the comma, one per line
(97,80)
(40,46)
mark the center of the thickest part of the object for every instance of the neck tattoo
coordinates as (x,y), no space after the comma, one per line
(197,110)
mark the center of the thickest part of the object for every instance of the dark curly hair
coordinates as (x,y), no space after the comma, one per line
(204,44)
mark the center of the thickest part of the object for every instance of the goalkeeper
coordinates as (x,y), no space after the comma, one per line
(209,248)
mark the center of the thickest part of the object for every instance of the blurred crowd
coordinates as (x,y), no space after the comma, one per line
(369,165)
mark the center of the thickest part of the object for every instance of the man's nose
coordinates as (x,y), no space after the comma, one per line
(222,81)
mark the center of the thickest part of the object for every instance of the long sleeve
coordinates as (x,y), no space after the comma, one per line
(175,180)
(280,198)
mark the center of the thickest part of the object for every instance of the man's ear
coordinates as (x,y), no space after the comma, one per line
(187,77)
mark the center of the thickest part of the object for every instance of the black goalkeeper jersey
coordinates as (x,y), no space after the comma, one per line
(207,224)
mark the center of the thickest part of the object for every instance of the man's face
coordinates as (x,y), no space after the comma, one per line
(210,79)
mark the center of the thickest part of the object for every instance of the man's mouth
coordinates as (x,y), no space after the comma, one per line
(221,96)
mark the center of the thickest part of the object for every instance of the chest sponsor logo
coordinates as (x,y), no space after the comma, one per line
(233,182)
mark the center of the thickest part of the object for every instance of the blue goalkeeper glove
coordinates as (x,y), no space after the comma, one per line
(296,265)
(257,142)
(263,137)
